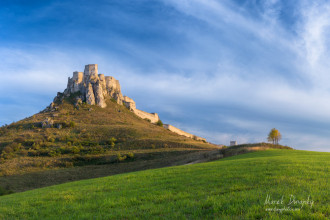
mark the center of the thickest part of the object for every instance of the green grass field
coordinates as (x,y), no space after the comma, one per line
(230,188)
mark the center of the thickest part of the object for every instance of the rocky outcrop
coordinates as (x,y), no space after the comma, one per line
(90,99)
(47,123)
(99,95)
(94,88)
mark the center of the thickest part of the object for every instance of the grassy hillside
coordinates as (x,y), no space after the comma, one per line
(82,135)
(234,187)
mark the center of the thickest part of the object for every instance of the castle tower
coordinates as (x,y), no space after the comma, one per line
(91,69)
(78,76)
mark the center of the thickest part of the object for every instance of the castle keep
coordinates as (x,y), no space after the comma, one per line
(95,89)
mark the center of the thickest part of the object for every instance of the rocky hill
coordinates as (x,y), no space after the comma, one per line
(90,124)
(94,89)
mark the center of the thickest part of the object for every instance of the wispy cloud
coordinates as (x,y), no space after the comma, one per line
(226,70)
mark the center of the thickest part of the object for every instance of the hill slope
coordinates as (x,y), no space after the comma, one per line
(234,187)
(84,135)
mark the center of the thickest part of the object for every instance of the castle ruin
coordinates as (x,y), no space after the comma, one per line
(95,89)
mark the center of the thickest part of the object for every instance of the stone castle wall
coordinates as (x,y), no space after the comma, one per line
(78,76)
(130,104)
(180,132)
(153,117)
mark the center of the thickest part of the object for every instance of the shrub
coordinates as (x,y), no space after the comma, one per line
(35,146)
(159,123)
(121,158)
(51,139)
(96,150)
(7,150)
(10,150)
(64,150)
(130,155)
(53,153)
(75,149)
(153,146)
(16,146)
(112,142)
(72,124)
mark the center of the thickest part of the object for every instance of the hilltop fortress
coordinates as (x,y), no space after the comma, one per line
(95,89)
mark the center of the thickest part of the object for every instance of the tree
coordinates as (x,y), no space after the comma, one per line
(159,123)
(274,136)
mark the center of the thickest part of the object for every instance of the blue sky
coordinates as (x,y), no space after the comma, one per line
(224,70)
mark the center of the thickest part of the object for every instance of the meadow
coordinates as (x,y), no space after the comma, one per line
(271,184)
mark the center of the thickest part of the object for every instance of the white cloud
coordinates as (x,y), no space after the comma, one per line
(315,28)
(249,63)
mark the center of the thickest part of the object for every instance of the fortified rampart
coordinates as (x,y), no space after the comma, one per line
(180,132)
(153,117)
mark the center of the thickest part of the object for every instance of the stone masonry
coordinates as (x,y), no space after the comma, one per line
(180,132)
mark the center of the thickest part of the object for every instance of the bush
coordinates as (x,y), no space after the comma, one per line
(112,142)
(35,146)
(70,150)
(121,158)
(130,155)
(53,153)
(159,123)
(51,139)
(7,150)
(72,124)
(75,149)
(96,150)
(10,150)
